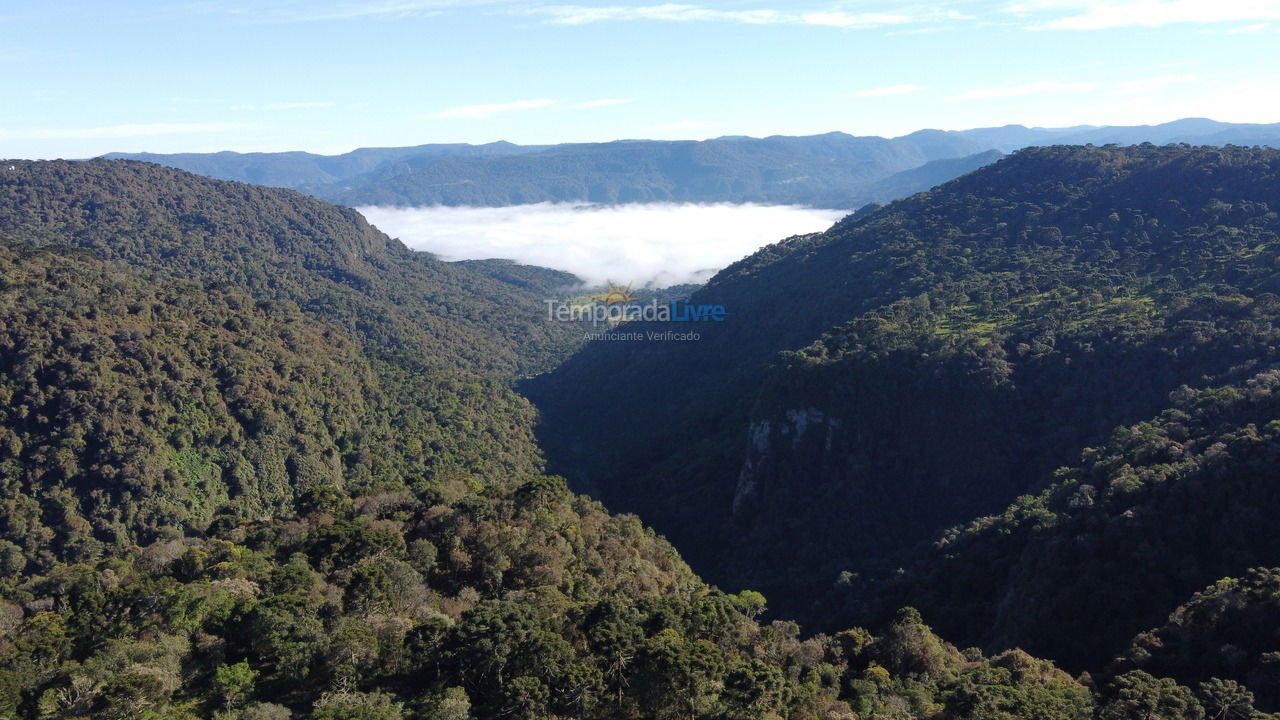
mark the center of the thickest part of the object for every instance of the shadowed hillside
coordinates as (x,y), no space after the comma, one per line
(929,362)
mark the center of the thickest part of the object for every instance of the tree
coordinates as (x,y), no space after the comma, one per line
(750,602)
(264,711)
(357,706)
(910,647)
(676,678)
(234,682)
(1226,700)
(285,633)
(1136,695)
(754,690)
(1016,685)
(352,652)
(455,705)
(525,698)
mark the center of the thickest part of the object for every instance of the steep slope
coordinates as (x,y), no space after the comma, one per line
(939,357)
(258,341)
(929,175)
(281,246)
(1162,508)
(257,461)
(1223,638)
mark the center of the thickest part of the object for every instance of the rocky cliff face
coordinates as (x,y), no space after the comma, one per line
(783,441)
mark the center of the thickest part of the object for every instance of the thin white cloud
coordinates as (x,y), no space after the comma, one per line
(887,91)
(678,12)
(829,14)
(1112,14)
(853,20)
(133,130)
(1035,88)
(604,102)
(657,244)
(1248,29)
(670,12)
(396,8)
(289,11)
(475,112)
(308,105)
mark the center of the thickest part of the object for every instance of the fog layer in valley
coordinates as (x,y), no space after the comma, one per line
(653,244)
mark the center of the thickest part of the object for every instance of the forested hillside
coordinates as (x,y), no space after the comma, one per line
(259,462)
(834,170)
(296,170)
(1161,508)
(256,341)
(831,170)
(286,247)
(255,450)
(927,363)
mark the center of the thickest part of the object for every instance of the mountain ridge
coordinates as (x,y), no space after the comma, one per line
(725,169)
(260,462)
(993,328)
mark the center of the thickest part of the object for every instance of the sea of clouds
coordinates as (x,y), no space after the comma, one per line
(654,245)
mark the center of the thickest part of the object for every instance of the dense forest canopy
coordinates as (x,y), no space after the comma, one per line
(929,362)
(260,462)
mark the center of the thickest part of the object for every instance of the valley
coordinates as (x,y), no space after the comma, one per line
(260,459)
(640,360)
(931,363)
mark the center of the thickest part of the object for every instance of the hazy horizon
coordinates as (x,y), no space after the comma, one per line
(496,140)
(247,76)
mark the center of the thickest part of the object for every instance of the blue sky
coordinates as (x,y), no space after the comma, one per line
(83,78)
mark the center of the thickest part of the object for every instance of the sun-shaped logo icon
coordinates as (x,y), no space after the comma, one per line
(614,295)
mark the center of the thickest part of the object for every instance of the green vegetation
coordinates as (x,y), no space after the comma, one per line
(260,462)
(930,362)
(177,348)
(1165,505)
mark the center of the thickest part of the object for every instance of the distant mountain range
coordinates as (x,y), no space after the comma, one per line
(834,170)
